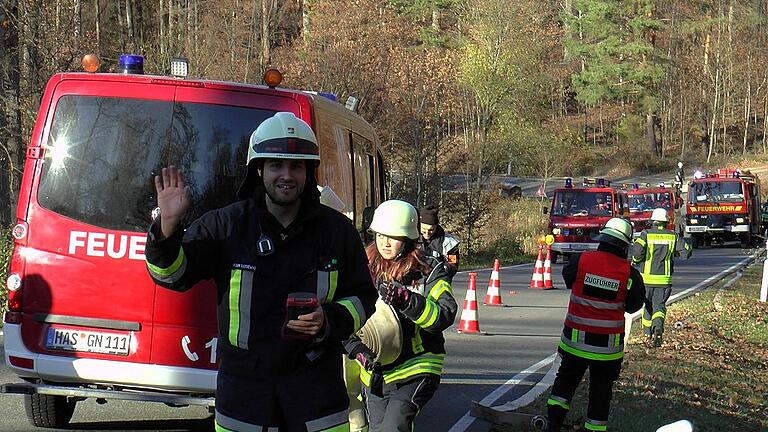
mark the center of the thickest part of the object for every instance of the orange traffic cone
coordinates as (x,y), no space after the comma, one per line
(537,280)
(469,322)
(548,269)
(493,294)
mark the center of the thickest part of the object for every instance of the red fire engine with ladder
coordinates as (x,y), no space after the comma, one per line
(723,206)
(578,214)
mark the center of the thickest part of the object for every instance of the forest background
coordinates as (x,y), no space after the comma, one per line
(454,87)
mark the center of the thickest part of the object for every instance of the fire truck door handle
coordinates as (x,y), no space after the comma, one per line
(185,346)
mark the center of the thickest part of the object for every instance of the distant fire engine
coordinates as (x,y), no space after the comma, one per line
(643,200)
(723,206)
(578,213)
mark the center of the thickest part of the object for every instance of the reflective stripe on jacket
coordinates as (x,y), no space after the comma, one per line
(653,253)
(594,324)
(431,310)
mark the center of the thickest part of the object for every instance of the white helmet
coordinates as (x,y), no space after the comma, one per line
(617,231)
(395,218)
(283,136)
(680,164)
(659,215)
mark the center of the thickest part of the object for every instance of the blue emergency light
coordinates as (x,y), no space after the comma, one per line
(568,182)
(328,95)
(131,64)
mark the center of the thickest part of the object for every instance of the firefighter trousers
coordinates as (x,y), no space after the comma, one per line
(309,399)
(655,308)
(400,402)
(602,374)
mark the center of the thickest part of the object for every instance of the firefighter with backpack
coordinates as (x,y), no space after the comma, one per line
(653,255)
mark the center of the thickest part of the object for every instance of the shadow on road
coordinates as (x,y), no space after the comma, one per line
(180,425)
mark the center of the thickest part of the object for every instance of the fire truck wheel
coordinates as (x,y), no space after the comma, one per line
(49,411)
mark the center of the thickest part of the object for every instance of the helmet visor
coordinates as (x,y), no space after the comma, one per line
(286,148)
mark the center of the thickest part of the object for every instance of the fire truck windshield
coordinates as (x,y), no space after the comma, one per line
(645,202)
(716,192)
(581,203)
(102,153)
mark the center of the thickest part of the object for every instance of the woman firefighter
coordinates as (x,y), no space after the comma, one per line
(401,349)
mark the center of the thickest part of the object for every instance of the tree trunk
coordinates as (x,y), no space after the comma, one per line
(129,25)
(97,4)
(266,6)
(650,134)
(11,147)
(78,18)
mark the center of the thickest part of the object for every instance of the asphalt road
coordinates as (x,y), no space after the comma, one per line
(496,367)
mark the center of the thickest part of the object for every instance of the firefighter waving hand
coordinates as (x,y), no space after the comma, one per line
(292,283)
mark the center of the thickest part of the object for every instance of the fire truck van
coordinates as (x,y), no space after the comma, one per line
(643,200)
(578,214)
(723,206)
(84,319)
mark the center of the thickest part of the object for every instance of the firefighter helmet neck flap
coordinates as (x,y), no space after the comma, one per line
(659,215)
(283,136)
(397,219)
(617,231)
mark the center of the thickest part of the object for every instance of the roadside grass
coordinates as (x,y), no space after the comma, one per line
(509,234)
(6,245)
(712,368)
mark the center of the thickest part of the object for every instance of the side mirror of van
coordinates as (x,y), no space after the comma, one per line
(544,210)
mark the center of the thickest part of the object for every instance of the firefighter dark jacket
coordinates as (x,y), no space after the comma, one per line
(444,247)
(430,310)
(320,252)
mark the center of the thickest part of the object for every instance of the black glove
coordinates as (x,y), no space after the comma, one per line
(364,356)
(395,295)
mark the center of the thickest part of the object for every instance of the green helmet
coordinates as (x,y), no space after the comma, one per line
(616,231)
(395,218)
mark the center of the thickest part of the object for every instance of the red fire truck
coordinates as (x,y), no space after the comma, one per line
(84,319)
(578,214)
(643,200)
(723,206)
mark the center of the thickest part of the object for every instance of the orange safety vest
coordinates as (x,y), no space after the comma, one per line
(594,325)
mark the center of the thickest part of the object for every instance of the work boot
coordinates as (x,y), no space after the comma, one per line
(657,337)
(555,418)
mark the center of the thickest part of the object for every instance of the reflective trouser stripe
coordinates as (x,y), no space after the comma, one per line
(558,401)
(228,424)
(659,314)
(646,322)
(595,425)
(172,273)
(240,290)
(335,422)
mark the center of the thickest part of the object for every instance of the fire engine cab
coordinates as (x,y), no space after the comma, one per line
(643,200)
(723,206)
(84,319)
(578,213)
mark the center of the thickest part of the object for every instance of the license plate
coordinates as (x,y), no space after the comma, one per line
(87,341)
(696,228)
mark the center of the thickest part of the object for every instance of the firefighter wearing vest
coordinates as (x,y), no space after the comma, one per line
(280,365)
(653,254)
(417,289)
(603,286)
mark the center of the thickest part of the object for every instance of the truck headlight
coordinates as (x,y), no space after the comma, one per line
(739,220)
(556,231)
(694,221)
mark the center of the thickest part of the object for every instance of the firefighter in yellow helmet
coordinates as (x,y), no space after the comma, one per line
(274,248)
(416,288)
(653,254)
(603,286)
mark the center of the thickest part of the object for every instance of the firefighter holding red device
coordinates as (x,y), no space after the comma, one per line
(292,283)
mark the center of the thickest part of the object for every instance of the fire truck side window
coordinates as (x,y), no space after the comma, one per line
(361,164)
(99,156)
